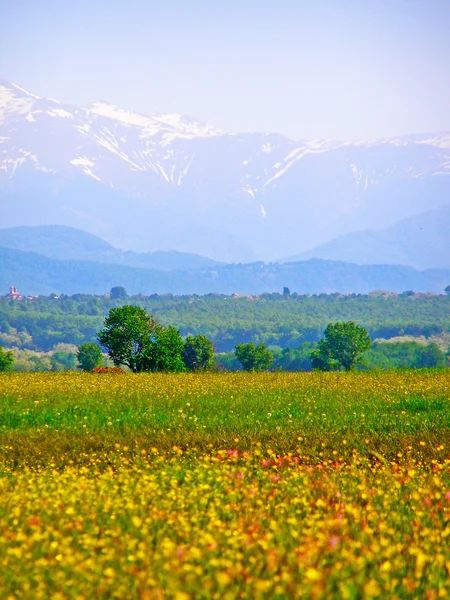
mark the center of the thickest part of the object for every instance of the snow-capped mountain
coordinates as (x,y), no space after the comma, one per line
(165,181)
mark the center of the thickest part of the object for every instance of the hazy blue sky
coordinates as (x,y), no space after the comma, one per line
(304,68)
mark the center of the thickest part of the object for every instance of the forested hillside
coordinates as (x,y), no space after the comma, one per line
(276,319)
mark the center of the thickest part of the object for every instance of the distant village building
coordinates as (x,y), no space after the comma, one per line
(14,294)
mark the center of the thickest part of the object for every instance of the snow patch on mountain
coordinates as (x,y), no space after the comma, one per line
(82,161)
(171,126)
(10,165)
(442,141)
(292,158)
(118,114)
(25,91)
(11,104)
(248,190)
(91,174)
(59,112)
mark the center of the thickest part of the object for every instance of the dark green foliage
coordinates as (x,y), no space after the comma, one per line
(447,290)
(254,358)
(6,360)
(63,361)
(198,353)
(294,359)
(286,359)
(127,335)
(405,355)
(341,348)
(89,356)
(118,293)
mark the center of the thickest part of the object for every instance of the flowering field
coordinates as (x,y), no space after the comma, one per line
(225,486)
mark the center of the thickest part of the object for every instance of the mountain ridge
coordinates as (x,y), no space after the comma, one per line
(421,242)
(34,274)
(167,182)
(69,243)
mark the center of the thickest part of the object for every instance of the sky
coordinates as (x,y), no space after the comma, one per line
(335,69)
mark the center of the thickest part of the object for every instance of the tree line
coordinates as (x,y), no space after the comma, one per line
(283,320)
(135,339)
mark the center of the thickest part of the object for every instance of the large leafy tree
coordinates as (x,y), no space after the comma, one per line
(89,356)
(198,353)
(254,358)
(6,360)
(341,348)
(135,339)
(128,334)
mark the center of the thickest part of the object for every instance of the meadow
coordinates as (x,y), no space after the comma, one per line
(276,485)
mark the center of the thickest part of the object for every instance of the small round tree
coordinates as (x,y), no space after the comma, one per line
(341,347)
(118,292)
(254,358)
(198,353)
(89,356)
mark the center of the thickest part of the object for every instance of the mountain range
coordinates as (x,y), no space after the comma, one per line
(44,260)
(163,182)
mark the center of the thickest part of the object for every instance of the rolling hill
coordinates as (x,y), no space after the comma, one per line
(422,242)
(34,274)
(57,241)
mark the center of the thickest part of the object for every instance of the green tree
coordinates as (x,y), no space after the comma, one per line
(447,290)
(432,356)
(198,353)
(63,361)
(127,334)
(118,293)
(341,348)
(254,358)
(89,356)
(164,351)
(6,360)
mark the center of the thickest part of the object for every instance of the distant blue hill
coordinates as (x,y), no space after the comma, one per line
(422,242)
(57,241)
(35,274)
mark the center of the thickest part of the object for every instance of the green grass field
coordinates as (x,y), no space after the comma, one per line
(230,486)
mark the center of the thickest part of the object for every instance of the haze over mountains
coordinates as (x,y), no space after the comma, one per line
(168,182)
(44,260)
(67,243)
(422,241)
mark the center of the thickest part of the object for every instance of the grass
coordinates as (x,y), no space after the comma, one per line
(225,486)
(64,416)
